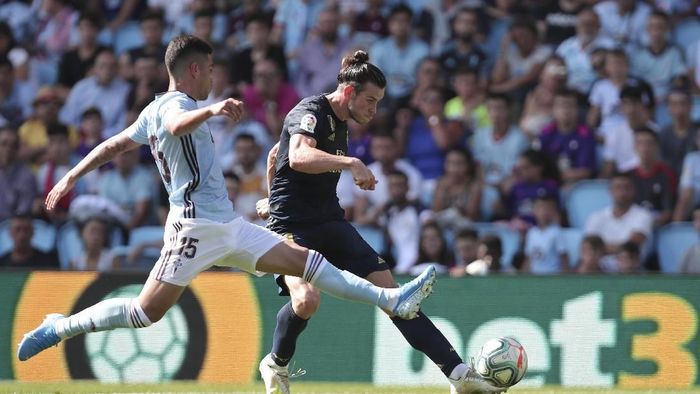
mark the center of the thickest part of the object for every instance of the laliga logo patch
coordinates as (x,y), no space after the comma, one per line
(308,123)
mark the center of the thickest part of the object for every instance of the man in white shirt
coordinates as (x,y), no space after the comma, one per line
(624,221)
(624,20)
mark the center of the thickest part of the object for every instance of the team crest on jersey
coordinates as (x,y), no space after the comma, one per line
(331,121)
(308,123)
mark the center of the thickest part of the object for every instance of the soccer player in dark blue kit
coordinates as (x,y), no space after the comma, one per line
(303,172)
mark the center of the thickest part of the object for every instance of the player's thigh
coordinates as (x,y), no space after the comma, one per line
(305,297)
(286,258)
(382,279)
(352,253)
(157,297)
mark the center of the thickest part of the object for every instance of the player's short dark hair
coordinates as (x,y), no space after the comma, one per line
(595,241)
(647,131)
(400,9)
(182,47)
(92,18)
(152,14)
(495,96)
(357,70)
(91,111)
(467,233)
(57,129)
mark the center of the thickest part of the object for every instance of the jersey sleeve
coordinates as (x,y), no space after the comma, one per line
(138,131)
(304,121)
(175,106)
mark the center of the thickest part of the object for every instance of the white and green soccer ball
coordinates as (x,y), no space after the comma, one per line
(502,362)
(148,355)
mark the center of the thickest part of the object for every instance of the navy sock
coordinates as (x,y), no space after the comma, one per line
(422,334)
(289,327)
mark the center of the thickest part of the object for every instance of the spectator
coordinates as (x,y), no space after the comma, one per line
(146,81)
(678,138)
(496,148)
(96,255)
(57,19)
(545,247)
(560,20)
(59,160)
(604,98)
(466,246)
(432,249)
(251,173)
(457,197)
(242,62)
(428,76)
(200,10)
(691,260)
(624,21)
(17,182)
(577,51)
(661,63)
(655,181)
(233,186)
(320,56)
(130,186)
(429,135)
(539,102)
(628,259)
(399,54)
(592,252)
(468,106)
(618,149)
(520,61)
(12,102)
(294,19)
(90,131)
(120,17)
(239,18)
(534,178)
(33,132)
(623,221)
(103,90)
(152,26)
(568,143)
(385,152)
(75,63)
(488,257)
(204,26)
(269,99)
(400,219)
(689,187)
(463,51)
(23,254)
(359,141)
(370,24)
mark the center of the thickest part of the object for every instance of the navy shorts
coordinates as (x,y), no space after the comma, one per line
(338,241)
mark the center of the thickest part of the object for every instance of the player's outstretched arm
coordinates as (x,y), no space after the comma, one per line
(102,153)
(305,157)
(187,121)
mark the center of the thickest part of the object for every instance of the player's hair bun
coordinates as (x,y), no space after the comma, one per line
(359,57)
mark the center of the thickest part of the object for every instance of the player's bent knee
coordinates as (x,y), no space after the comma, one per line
(306,303)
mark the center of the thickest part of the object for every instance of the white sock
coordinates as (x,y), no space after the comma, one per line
(458,371)
(342,284)
(105,315)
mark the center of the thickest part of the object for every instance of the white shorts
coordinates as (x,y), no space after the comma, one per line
(194,245)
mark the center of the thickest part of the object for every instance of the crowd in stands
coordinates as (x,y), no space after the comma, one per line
(533,136)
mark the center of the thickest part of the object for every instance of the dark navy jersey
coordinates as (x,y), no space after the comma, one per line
(297,197)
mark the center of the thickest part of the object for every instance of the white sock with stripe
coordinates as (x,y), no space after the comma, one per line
(105,315)
(343,284)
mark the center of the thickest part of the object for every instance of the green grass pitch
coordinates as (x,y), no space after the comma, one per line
(297,388)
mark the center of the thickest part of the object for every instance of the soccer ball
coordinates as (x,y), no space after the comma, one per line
(502,362)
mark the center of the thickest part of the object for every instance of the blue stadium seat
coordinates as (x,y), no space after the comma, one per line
(373,236)
(44,236)
(672,241)
(584,198)
(573,238)
(510,239)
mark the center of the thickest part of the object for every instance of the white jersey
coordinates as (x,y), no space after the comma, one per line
(187,164)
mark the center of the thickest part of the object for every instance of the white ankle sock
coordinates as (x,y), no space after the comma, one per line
(458,371)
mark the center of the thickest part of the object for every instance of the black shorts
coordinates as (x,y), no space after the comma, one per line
(338,241)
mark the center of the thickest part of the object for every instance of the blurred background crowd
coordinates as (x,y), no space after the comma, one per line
(534,136)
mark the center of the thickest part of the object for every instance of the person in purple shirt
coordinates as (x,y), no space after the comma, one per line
(567,142)
(535,179)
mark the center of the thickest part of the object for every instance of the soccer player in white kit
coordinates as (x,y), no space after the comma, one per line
(202,229)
